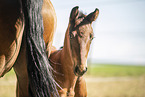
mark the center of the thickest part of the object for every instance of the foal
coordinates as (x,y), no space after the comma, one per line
(70,63)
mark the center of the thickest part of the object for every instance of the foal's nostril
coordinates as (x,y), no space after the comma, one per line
(76,69)
(79,72)
(86,69)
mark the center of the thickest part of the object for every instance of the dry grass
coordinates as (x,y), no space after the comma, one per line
(116,87)
(8,85)
(97,86)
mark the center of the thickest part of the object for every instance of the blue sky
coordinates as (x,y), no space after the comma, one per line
(119,30)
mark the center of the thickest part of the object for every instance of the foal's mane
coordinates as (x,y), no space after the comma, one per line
(81,19)
(81,15)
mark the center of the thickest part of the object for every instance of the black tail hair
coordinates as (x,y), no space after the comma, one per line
(41,82)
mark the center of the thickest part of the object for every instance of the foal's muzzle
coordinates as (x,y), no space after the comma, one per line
(79,72)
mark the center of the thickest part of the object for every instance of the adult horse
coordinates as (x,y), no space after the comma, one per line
(23,18)
(70,63)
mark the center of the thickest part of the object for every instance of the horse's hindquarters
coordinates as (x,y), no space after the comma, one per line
(11,31)
(49,22)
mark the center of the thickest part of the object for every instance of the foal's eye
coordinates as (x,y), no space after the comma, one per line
(81,34)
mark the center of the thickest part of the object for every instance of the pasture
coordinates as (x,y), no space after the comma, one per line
(116,81)
(102,81)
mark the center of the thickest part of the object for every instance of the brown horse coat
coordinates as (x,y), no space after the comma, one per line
(49,22)
(69,63)
(11,31)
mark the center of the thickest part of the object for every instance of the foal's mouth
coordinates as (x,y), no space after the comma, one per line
(79,72)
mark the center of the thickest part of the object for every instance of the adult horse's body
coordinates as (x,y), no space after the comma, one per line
(11,31)
(69,63)
(23,18)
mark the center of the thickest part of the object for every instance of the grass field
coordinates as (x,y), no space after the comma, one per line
(116,87)
(101,70)
(8,85)
(102,81)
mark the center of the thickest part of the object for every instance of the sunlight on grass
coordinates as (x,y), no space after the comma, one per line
(8,85)
(116,88)
(102,81)
(115,81)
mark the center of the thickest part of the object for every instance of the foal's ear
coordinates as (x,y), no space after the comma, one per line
(74,13)
(92,16)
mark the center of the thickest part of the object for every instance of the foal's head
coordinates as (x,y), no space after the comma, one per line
(81,35)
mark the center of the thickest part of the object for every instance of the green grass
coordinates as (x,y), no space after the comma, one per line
(128,81)
(8,85)
(107,70)
(115,70)
(9,75)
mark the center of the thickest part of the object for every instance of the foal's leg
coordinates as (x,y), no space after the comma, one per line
(80,88)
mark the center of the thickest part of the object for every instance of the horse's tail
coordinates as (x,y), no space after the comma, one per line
(41,82)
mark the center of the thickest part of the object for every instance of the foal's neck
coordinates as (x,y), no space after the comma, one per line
(68,63)
(66,51)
